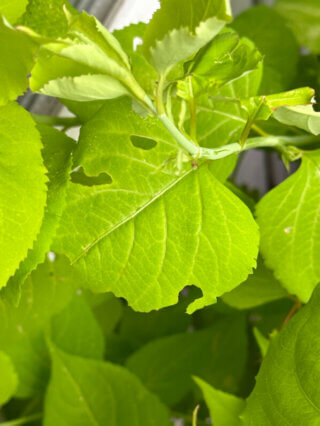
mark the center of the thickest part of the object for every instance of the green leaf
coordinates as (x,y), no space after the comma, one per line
(123,235)
(288,217)
(16,56)
(12,9)
(89,64)
(280,59)
(166,365)
(260,288)
(303,117)
(303,18)
(76,331)
(88,392)
(46,17)
(57,159)
(225,59)
(262,341)
(46,292)
(21,211)
(9,378)
(224,408)
(287,391)
(172,37)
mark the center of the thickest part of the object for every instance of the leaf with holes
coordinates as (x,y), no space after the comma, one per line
(289,220)
(123,236)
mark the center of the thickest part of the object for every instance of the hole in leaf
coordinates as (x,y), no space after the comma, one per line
(137,41)
(78,176)
(142,142)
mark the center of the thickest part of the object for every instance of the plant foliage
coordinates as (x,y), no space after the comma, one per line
(137,278)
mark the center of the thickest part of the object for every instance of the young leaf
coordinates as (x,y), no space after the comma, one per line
(172,37)
(21,211)
(47,17)
(166,365)
(288,217)
(57,159)
(261,340)
(124,235)
(260,288)
(303,18)
(9,378)
(46,292)
(303,117)
(224,408)
(16,57)
(280,59)
(293,399)
(88,392)
(76,331)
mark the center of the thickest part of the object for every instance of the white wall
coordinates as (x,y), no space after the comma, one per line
(133,11)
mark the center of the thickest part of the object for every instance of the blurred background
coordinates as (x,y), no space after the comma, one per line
(257,169)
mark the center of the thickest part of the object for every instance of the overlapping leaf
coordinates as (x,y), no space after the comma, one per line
(179,29)
(57,159)
(16,57)
(303,16)
(303,117)
(293,357)
(124,236)
(288,217)
(166,365)
(88,392)
(280,61)
(21,211)
(45,293)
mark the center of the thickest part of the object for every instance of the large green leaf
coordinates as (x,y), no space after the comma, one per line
(224,408)
(166,365)
(287,389)
(57,159)
(288,217)
(86,392)
(21,210)
(9,378)
(179,29)
(45,293)
(153,230)
(303,16)
(16,57)
(281,59)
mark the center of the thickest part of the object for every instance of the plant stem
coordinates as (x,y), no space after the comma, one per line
(66,122)
(193,113)
(259,142)
(292,311)
(159,96)
(22,420)
(187,418)
(258,130)
(195,416)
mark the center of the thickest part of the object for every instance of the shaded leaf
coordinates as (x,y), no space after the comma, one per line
(88,392)
(224,408)
(303,117)
(9,378)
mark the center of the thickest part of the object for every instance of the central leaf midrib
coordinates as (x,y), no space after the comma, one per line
(130,216)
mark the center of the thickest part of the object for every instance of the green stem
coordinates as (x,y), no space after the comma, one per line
(159,96)
(57,121)
(187,418)
(22,420)
(193,113)
(259,142)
